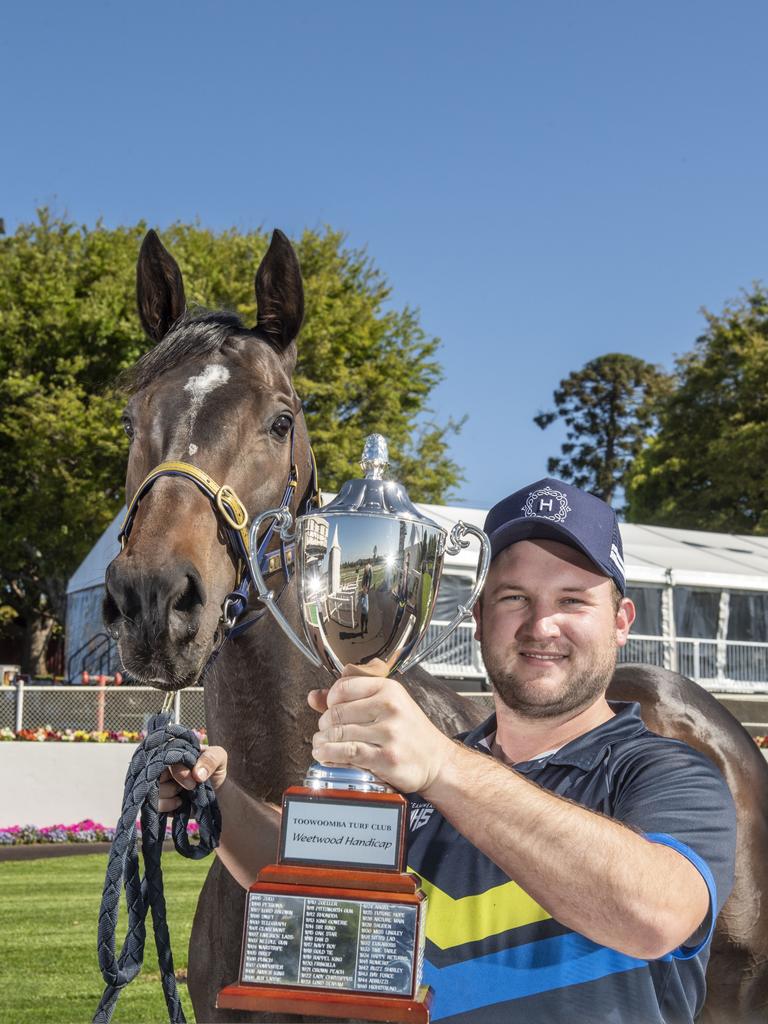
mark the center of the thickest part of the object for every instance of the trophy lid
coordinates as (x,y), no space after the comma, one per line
(374,495)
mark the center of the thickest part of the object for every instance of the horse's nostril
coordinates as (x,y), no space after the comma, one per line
(122,599)
(110,613)
(185,609)
(190,599)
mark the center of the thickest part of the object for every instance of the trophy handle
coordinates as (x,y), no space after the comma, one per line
(455,544)
(284,522)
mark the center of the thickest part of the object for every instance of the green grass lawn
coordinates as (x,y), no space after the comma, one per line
(49,913)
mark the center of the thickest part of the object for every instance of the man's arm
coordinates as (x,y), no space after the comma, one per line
(249,827)
(588,871)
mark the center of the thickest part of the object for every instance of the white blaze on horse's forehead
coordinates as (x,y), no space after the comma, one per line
(200,386)
(212,377)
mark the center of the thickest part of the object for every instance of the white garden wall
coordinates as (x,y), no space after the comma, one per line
(62,783)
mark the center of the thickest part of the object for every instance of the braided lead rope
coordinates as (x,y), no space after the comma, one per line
(165,744)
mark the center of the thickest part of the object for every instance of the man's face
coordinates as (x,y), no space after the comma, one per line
(549,629)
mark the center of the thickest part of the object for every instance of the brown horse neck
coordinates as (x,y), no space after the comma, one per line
(256,704)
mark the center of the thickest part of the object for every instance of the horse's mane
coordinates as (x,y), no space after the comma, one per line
(198,332)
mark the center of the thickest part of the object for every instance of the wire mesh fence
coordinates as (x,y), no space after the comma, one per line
(96,708)
(7,707)
(192,707)
(723,666)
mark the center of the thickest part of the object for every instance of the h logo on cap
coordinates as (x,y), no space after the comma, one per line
(547,503)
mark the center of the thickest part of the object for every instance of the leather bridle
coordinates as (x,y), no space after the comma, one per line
(232,513)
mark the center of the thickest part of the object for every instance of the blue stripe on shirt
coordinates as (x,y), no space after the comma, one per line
(526,970)
(687,952)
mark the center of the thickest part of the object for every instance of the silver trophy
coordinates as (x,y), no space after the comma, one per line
(369,565)
(336,927)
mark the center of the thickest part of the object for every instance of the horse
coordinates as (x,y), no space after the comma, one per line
(218,398)
(673,705)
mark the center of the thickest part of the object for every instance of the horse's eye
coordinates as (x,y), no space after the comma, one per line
(127,426)
(282,426)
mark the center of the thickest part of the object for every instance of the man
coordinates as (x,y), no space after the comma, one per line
(363,613)
(575,862)
(367,580)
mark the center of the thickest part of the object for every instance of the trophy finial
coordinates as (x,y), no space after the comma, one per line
(375,456)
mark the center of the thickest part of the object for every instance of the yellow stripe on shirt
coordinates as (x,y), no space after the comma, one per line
(452,922)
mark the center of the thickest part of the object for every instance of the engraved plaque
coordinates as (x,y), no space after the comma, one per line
(274,926)
(341,833)
(352,945)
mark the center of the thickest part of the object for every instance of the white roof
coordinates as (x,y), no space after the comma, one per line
(652,554)
(655,554)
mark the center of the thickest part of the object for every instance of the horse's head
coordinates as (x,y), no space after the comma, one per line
(219,397)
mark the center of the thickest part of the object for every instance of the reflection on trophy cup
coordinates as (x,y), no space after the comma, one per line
(336,927)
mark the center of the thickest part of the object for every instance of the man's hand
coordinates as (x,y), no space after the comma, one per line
(369,721)
(249,827)
(212,764)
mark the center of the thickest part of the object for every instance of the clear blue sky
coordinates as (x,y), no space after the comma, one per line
(546,181)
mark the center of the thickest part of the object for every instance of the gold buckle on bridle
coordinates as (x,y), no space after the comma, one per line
(239,520)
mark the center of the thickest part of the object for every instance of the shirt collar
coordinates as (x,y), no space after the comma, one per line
(586,750)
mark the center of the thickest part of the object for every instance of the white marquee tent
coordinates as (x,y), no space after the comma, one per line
(702,601)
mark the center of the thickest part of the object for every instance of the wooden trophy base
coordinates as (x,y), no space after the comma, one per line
(328,1004)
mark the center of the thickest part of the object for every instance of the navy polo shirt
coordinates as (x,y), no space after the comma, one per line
(494,955)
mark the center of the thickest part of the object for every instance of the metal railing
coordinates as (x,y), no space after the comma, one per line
(98,656)
(94,708)
(459,656)
(734,666)
(727,666)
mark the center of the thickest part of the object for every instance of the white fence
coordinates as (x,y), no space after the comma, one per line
(458,657)
(50,783)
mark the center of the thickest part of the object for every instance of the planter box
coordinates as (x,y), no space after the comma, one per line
(62,783)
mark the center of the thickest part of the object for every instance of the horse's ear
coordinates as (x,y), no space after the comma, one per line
(159,288)
(279,293)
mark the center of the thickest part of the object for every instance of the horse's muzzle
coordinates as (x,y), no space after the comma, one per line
(156,616)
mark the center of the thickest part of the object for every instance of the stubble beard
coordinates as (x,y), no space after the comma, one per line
(578,691)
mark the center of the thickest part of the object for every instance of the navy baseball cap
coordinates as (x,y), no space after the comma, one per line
(558,511)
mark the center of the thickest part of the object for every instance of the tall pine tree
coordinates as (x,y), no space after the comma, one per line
(609,409)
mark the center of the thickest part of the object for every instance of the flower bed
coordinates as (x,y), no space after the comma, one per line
(83,832)
(46,734)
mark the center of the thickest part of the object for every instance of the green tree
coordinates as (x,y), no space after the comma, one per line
(69,327)
(609,410)
(707,467)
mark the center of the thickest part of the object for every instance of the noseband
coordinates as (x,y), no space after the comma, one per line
(228,508)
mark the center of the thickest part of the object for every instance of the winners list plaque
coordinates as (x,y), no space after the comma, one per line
(335,928)
(355,945)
